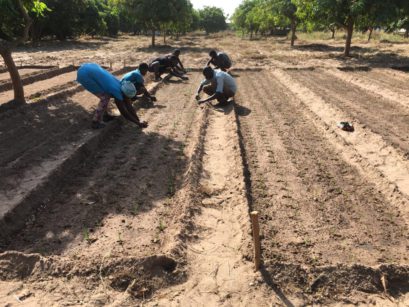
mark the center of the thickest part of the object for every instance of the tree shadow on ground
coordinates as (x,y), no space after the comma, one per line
(169,49)
(364,56)
(65,45)
(329,48)
(127,174)
(376,60)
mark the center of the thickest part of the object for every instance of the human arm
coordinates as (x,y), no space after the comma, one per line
(173,72)
(216,95)
(127,111)
(199,90)
(147,94)
(181,65)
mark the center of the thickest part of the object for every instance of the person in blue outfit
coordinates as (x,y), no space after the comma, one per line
(105,86)
(137,79)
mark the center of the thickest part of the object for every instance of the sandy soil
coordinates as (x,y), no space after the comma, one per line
(159,217)
(23,72)
(218,275)
(36,87)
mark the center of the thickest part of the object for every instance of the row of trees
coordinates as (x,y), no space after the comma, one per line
(22,20)
(71,18)
(267,16)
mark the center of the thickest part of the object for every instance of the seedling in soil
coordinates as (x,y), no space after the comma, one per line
(85,235)
(156,239)
(135,209)
(307,242)
(171,185)
(182,147)
(120,239)
(162,226)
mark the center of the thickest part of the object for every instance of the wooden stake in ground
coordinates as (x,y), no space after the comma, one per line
(256,239)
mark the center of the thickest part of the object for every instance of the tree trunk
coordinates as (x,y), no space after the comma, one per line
(293,29)
(370,34)
(14,75)
(164,37)
(350,30)
(251,34)
(333,33)
(407,33)
(153,37)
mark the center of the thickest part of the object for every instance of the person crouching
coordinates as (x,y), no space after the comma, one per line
(218,85)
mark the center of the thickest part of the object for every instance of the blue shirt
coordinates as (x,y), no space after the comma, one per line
(99,81)
(135,77)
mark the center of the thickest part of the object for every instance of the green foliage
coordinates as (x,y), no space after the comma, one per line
(11,19)
(72,18)
(264,15)
(40,8)
(212,19)
(268,15)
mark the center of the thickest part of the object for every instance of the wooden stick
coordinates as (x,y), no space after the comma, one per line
(256,239)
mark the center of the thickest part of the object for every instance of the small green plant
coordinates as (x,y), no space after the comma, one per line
(162,226)
(135,209)
(171,184)
(85,235)
(120,241)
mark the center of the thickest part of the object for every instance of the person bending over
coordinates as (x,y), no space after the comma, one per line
(218,85)
(165,64)
(137,78)
(220,60)
(105,86)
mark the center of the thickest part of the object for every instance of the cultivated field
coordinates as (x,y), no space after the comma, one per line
(160,216)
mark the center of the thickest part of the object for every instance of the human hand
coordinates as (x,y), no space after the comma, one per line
(197,97)
(153,98)
(185,78)
(143,125)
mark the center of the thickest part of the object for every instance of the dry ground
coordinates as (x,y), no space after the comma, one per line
(159,217)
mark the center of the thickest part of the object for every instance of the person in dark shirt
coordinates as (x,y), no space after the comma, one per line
(220,60)
(165,64)
(181,69)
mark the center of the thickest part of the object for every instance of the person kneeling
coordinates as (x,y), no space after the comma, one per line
(165,64)
(137,79)
(218,85)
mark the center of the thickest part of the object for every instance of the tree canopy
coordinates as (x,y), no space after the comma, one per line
(349,15)
(212,19)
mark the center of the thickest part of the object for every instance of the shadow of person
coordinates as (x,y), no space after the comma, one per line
(269,281)
(174,81)
(146,103)
(242,110)
(226,109)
